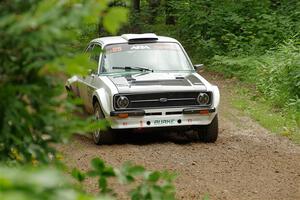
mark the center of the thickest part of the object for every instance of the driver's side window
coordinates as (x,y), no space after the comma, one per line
(94,56)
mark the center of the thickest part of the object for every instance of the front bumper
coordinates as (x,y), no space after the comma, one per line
(143,119)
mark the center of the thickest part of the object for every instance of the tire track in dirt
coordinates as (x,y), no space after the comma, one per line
(246,162)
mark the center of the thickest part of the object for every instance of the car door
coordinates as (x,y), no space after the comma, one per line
(93,75)
(82,84)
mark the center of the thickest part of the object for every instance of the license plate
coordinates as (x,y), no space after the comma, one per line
(164,121)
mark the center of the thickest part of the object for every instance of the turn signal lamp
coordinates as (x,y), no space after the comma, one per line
(123,115)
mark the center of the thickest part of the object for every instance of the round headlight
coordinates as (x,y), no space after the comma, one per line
(122,102)
(203,98)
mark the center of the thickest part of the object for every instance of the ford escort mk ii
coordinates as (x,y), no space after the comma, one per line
(143,81)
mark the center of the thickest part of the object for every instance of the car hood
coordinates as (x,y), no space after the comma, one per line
(157,82)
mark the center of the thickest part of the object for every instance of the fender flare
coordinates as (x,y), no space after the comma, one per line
(216,96)
(104,100)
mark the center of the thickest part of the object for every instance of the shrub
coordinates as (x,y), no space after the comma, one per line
(48,183)
(209,28)
(37,184)
(276,74)
(33,111)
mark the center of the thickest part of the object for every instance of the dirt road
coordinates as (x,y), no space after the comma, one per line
(247,162)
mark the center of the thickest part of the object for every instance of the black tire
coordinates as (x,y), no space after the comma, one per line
(209,133)
(102,136)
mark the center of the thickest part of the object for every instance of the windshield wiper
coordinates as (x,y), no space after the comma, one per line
(134,68)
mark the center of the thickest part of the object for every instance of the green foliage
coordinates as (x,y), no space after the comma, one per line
(27,183)
(151,188)
(234,28)
(78,175)
(151,185)
(208,28)
(115,17)
(100,170)
(278,121)
(39,183)
(206,197)
(276,74)
(276,77)
(37,49)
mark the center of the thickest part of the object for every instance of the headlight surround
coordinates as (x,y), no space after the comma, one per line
(203,98)
(122,102)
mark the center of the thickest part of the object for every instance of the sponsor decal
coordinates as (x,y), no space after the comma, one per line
(140,47)
(128,47)
(164,121)
(115,49)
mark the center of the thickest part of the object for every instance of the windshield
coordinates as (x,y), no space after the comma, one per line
(152,56)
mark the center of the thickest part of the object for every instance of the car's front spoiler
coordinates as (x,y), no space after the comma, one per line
(142,119)
(129,112)
(140,112)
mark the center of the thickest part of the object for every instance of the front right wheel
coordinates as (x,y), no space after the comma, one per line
(101,136)
(209,133)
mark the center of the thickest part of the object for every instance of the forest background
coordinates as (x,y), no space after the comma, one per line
(254,41)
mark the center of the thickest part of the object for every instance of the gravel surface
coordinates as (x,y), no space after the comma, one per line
(246,162)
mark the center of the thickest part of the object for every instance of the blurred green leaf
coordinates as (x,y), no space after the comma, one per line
(114,18)
(78,175)
(39,183)
(153,177)
(206,197)
(98,164)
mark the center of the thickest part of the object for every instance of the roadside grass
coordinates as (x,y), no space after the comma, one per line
(278,121)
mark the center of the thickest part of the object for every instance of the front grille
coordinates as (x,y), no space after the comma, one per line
(158,100)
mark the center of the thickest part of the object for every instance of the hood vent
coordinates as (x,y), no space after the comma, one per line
(174,82)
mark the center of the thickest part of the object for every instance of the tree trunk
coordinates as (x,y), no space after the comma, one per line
(135,22)
(136,5)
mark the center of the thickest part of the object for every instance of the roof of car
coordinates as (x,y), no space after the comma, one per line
(126,38)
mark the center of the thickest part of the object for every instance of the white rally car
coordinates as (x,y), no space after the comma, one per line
(142,81)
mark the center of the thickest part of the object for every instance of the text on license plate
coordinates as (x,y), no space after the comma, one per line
(164,121)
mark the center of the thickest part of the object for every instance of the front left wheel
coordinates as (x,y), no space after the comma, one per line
(101,136)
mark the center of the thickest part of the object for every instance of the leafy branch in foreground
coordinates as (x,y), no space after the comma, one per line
(34,112)
(28,183)
(39,183)
(151,185)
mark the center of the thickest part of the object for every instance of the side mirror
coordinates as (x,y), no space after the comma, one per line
(198,66)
